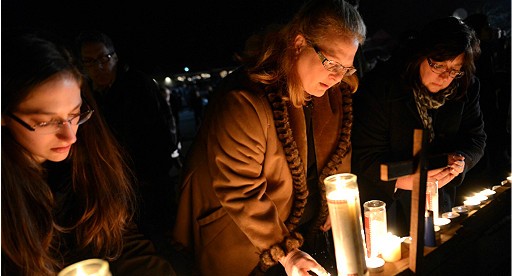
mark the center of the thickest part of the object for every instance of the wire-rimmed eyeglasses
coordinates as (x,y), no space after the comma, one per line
(332,65)
(440,69)
(101,60)
(54,126)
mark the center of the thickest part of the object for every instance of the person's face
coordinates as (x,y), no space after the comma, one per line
(435,82)
(313,75)
(99,63)
(56,99)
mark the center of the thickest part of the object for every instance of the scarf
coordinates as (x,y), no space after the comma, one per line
(426,100)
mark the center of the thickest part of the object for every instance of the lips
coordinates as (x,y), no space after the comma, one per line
(62,149)
(324,85)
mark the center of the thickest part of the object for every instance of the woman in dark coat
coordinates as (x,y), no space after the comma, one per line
(429,85)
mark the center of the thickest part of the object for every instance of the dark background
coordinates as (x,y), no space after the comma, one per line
(162,37)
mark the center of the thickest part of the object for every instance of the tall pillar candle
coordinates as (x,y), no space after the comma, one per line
(347,226)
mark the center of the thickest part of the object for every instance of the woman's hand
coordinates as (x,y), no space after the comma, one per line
(327,224)
(298,263)
(444,175)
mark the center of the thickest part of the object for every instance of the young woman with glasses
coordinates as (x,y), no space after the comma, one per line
(253,198)
(430,84)
(66,192)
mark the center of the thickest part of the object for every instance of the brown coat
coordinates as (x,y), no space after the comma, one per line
(237,190)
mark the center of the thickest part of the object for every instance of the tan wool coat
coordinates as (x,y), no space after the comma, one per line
(237,189)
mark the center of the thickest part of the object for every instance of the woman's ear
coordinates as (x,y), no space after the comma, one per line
(3,121)
(300,41)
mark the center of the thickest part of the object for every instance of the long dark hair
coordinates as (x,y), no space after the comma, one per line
(444,39)
(99,175)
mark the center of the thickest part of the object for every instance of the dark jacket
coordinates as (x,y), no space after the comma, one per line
(385,116)
(141,121)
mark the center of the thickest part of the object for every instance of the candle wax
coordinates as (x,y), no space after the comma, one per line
(391,249)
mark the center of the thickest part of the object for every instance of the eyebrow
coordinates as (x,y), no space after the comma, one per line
(43,112)
(342,52)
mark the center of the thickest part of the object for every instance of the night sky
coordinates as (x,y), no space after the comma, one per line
(162,38)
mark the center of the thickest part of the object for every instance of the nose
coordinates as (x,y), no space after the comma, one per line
(445,75)
(337,76)
(67,132)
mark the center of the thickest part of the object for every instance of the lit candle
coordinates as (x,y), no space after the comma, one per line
(89,267)
(347,226)
(442,222)
(375,264)
(488,193)
(391,249)
(472,203)
(480,197)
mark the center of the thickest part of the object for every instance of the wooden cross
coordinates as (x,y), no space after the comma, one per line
(417,167)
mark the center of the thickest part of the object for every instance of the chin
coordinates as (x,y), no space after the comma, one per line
(58,158)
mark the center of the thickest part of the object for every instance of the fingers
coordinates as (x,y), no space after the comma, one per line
(320,271)
(327,225)
(457,167)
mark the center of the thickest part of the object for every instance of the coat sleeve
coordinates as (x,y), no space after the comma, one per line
(237,150)
(139,257)
(471,136)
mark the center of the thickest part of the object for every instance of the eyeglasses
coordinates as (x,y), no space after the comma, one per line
(88,62)
(54,126)
(440,69)
(334,66)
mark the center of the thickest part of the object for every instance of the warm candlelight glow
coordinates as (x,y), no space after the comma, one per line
(347,226)
(480,197)
(442,222)
(488,193)
(472,203)
(90,267)
(375,264)
(392,248)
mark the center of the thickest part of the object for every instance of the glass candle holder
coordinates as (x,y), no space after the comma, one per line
(347,227)
(375,226)
(89,267)
(432,201)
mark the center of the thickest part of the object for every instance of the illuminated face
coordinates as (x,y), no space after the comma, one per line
(56,99)
(315,78)
(434,81)
(99,63)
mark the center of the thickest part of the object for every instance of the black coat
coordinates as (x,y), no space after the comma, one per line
(385,117)
(142,122)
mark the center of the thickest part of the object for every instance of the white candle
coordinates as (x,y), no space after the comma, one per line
(480,197)
(391,249)
(472,203)
(375,264)
(347,227)
(488,193)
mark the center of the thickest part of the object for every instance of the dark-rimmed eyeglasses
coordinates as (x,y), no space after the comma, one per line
(54,126)
(440,69)
(332,65)
(88,62)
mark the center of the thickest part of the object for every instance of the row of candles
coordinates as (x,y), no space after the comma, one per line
(357,254)
(353,255)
